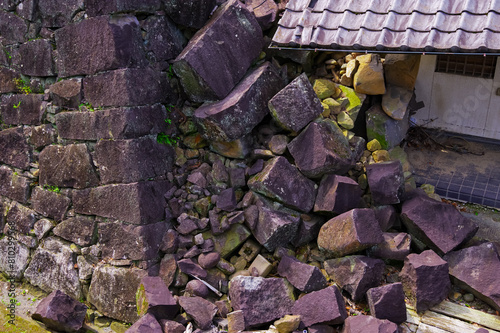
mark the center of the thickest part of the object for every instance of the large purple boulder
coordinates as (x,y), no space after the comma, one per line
(369,324)
(425,279)
(350,232)
(262,300)
(302,276)
(201,310)
(386,182)
(388,302)
(282,182)
(337,195)
(476,270)
(439,225)
(208,67)
(356,274)
(154,297)
(98,44)
(244,108)
(60,312)
(275,228)
(323,306)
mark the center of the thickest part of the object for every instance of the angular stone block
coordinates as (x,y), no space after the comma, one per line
(23,109)
(230,240)
(388,302)
(395,102)
(146,323)
(190,13)
(401,70)
(302,276)
(337,194)
(363,324)
(55,14)
(350,232)
(386,216)
(126,161)
(163,39)
(60,312)
(476,269)
(118,284)
(98,8)
(207,68)
(128,87)
(395,246)
(7,79)
(275,228)
(201,310)
(262,300)
(42,136)
(154,297)
(67,93)
(136,203)
(389,132)
(356,274)
(369,78)
(235,321)
(321,148)
(425,279)
(35,58)
(78,230)
(20,218)
(265,11)
(294,106)
(14,186)
(386,181)
(323,306)
(14,150)
(21,256)
(53,267)
(98,44)
(282,182)
(244,108)
(188,266)
(58,168)
(308,229)
(12,28)
(49,203)
(439,225)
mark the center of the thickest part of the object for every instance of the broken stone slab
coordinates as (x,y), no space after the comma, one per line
(60,312)
(146,324)
(275,228)
(168,268)
(127,161)
(164,40)
(13,185)
(58,168)
(425,279)
(363,324)
(78,230)
(350,232)
(325,306)
(230,240)
(170,326)
(321,148)
(302,276)
(438,225)
(128,87)
(356,274)
(14,150)
(227,200)
(67,93)
(42,136)
(201,310)
(236,115)
(389,132)
(42,227)
(25,109)
(207,68)
(20,218)
(98,44)
(369,77)
(188,266)
(476,269)
(386,181)
(144,201)
(395,246)
(52,267)
(153,297)
(265,12)
(395,101)
(401,70)
(20,256)
(98,8)
(127,241)
(294,106)
(190,13)
(49,203)
(337,195)
(40,65)
(118,284)
(308,229)
(282,182)
(262,300)
(388,302)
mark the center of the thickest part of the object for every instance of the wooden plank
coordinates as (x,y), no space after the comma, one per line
(468,314)
(448,323)
(412,316)
(423,328)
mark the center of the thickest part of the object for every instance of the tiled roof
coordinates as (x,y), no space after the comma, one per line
(392,25)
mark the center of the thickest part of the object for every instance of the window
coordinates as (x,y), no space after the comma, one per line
(470,65)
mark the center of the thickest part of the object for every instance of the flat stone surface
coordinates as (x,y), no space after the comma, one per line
(363,324)
(7,79)
(302,276)
(350,232)
(20,218)
(55,14)
(35,58)
(439,225)
(386,181)
(296,105)
(154,297)
(190,13)
(395,246)
(388,302)
(136,203)
(49,203)
(262,300)
(337,195)
(323,306)
(23,109)
(78,230)
(266,12)
(275,228)
(201,310)
(164,40)
(356,274)
(21,258)
(244,108)
(98,44)
(389,132)
(14,149)
(42,136)
(13,185)
(321,148)
(282,182)
(207,68)
(12,28)
(145,324)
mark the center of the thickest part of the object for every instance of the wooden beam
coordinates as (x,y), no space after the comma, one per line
(468,314)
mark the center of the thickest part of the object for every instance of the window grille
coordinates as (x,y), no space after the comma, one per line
(468,65)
